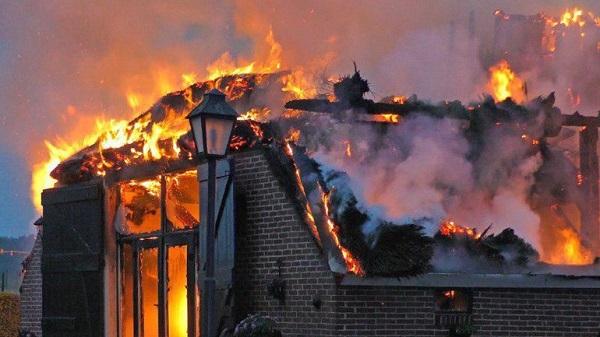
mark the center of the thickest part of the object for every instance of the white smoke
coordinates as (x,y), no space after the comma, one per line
(419,172)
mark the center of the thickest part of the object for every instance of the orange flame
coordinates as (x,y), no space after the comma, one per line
(504,83)
(399,99)
(569,250)
(299,84)
(348,150)
(572,16)
(579,179)
(450,228)
(385,118)
(225,65)
(256,114)
(293,135)
(352,263)
(113,134)
(289,151)
(451,294)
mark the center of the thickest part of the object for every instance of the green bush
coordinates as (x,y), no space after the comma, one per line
(256,326)
(9,315)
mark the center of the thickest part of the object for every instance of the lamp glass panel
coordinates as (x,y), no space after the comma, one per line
(197,130)
(218,132)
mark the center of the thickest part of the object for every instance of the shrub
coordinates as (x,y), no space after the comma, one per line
(9,315)
(256,326)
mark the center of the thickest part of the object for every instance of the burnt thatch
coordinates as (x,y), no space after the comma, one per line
(502,251)
(390,250)
(399,251)
(512,248)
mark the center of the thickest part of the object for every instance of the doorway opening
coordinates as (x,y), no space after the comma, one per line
(157,223)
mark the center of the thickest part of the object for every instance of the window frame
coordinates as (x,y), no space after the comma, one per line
(162,239)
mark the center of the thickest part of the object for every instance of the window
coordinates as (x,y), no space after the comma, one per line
(158,221)
(452,307)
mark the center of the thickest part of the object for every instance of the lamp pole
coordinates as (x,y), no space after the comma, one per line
(209,319)
(212,123)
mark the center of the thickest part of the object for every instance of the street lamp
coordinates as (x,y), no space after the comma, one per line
(212,123)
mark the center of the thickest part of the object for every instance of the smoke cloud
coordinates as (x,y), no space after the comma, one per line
(420,173)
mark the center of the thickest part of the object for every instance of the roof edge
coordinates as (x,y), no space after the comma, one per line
(461,280)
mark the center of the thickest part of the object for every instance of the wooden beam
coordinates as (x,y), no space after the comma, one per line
(576,119)
(588,163)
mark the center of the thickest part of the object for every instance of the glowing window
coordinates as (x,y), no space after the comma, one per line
(139,208)
(183,200)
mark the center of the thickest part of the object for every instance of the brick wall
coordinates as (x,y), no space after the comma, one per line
(393,311)
(386,311)
(31,290)
(273,230)
(545,312)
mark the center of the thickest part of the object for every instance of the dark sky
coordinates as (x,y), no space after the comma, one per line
(82,57)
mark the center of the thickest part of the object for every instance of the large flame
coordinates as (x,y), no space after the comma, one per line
(561,240)
(299,84)
(505,83)
(114,134)
(571,19)
(573,16)
(226,65)
(568,250)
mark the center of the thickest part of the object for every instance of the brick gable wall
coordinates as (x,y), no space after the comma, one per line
(31,290)
(273,230)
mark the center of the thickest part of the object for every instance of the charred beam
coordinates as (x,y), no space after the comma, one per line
(377,108)
(588,147)
(576,119)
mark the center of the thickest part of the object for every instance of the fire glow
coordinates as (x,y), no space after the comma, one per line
(505,83)
(450,228)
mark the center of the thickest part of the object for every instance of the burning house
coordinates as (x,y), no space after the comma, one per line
(336,215)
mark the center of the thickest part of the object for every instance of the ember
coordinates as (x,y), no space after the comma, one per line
(450,228)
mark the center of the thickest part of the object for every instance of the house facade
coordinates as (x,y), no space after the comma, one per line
(76,281)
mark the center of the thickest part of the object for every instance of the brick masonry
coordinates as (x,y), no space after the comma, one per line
(31,290)
(271,230)
(274,230)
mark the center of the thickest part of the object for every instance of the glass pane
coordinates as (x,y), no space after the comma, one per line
(139,211)
(183,200)
(127,291)
(177,291)
(197,130)
(149,291)
(217,135)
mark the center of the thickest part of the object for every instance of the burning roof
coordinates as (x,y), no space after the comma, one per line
(342,222)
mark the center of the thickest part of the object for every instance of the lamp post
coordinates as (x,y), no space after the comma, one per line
(212,123)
